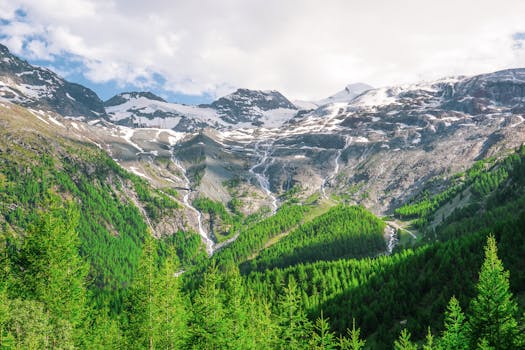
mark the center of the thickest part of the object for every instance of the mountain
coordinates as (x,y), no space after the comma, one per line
(347,94)
(40,88)
(266,218)
(260,108)
(145,109)
(243,108)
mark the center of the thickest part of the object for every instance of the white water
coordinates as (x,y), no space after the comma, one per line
(205,238)
(333,174)
(261,177)
(392,239)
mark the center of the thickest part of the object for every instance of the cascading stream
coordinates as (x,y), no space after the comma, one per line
(206,239)
(333,174)
(392,239)
(261,177)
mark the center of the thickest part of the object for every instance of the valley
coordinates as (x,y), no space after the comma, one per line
(257,222)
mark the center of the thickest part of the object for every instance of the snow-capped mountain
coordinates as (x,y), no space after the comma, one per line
(377,147)
(347,94)
(268,108)
(243,108)
(40,88)
(145,109)
(387,142)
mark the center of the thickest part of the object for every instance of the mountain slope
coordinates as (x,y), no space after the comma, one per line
(43,163)
(40,88)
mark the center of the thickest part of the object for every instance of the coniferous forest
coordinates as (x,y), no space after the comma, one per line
(80,267)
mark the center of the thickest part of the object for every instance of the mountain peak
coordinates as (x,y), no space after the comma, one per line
(40,88)
(355,87)
(123,97)
(350,92)
(245,105)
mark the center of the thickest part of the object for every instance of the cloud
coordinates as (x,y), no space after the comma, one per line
(307,49)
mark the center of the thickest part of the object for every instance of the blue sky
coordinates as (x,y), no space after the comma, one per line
(73,70)
(196,51)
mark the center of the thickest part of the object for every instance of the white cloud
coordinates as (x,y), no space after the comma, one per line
(306,49)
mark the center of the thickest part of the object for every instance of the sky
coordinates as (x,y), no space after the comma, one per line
(195,51)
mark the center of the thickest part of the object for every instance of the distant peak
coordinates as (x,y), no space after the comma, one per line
(126,96)
(358,87)
(146,94)
(347,94)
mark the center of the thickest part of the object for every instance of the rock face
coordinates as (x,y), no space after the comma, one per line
(251,106)
(145,109)
(40,88)
(243,108)
(377,148)
(502,91)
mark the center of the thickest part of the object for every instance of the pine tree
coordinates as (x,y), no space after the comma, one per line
(322,337)
(493,310)
(293,322)
(209,323)
(141,307)
(170,313)
(354,341)
(404,343)
(236,302)
(455,334)
(262,330)
(54,273)
(429,345)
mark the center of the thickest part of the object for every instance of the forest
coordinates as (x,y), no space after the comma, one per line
(80,267)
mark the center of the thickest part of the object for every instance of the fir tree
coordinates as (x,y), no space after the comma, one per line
(171,316)
(322,337)
(354,341)
(235,304)
(493,310)
(293,322)
(209,321)
(141,306)
(455,334)
(429,341)
(54,273)
(404,342)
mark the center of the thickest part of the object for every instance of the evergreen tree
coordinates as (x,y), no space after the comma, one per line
(236,302)
(354,341)
(262,330)
(4,298)
(429,344)
(171,316)
(322,337)
(29,325)
(404,343)
(102,332)
(54,274)
(493,310)
(455,334)
(141,304)
(209,321)
(293,322)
